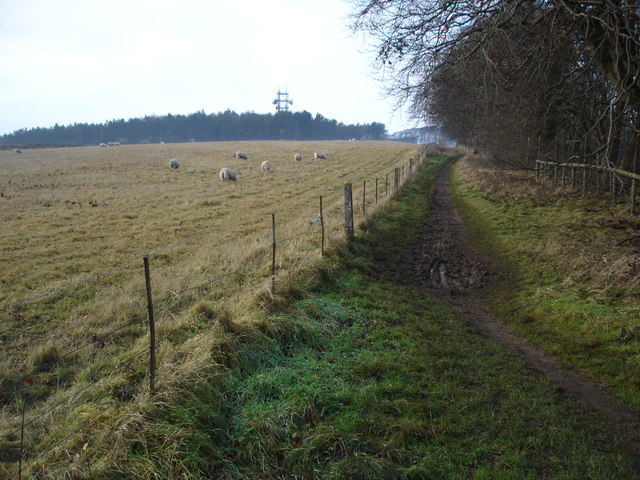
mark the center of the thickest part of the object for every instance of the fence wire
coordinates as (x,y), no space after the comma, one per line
(334,207)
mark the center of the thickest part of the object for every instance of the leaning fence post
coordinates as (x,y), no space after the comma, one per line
(152,327)
(321,228)
(273,255)
(348,212)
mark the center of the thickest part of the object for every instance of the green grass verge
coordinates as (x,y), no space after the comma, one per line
(358,378)
(399,387)
(556,297)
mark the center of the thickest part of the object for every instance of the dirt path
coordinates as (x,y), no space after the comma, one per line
(442,259)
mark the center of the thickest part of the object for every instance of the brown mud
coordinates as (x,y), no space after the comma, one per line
(442,260)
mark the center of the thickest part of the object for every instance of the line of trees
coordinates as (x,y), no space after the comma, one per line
(200,126)
(518,77)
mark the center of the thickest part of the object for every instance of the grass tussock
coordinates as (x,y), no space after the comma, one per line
(576,264)
(45,357)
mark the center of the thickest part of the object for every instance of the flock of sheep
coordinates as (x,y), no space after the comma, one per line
(229,175)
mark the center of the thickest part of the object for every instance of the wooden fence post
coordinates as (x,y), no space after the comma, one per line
(376,190)
(612,188)
(24,403)
(152,326)
(348,212)
(386,184)
(396,178)
(364,198)
(633,180)
(573,178)
(321,228)
(273,254)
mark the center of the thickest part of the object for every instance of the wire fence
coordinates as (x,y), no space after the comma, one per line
(31,401)
(591,179)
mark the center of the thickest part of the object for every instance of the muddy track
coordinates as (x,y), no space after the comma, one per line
(441,259)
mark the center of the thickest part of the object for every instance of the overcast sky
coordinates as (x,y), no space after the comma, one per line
(90,61)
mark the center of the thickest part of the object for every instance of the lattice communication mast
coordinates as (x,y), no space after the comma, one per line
(282,101)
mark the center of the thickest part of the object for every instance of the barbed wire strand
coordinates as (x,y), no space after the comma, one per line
(76,393)
(174,294)
(201,234)
(74,284)
(153,252)
(208,282)
(126,265)
(101,337)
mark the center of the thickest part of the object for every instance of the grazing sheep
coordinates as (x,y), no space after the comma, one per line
(266,166)
(17,150)
(103,144)
(228,175)
(174,164)
(297,157)
(241,155)
(317,155)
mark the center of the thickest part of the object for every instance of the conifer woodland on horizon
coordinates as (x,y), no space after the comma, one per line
(200,127)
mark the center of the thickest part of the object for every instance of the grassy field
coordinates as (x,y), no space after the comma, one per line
(83,217)
(72,212)
(350,378)
(575,270)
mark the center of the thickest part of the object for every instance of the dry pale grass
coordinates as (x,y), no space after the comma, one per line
(69,214)
(90,213)
(584,237)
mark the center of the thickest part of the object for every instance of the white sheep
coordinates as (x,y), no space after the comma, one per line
(266,166)
(174,164)
(241,155)
(297,157)
(17,150)
(317,155)
(103,144)
(228,175)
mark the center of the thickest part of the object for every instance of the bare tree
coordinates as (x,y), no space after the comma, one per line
(501,73)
